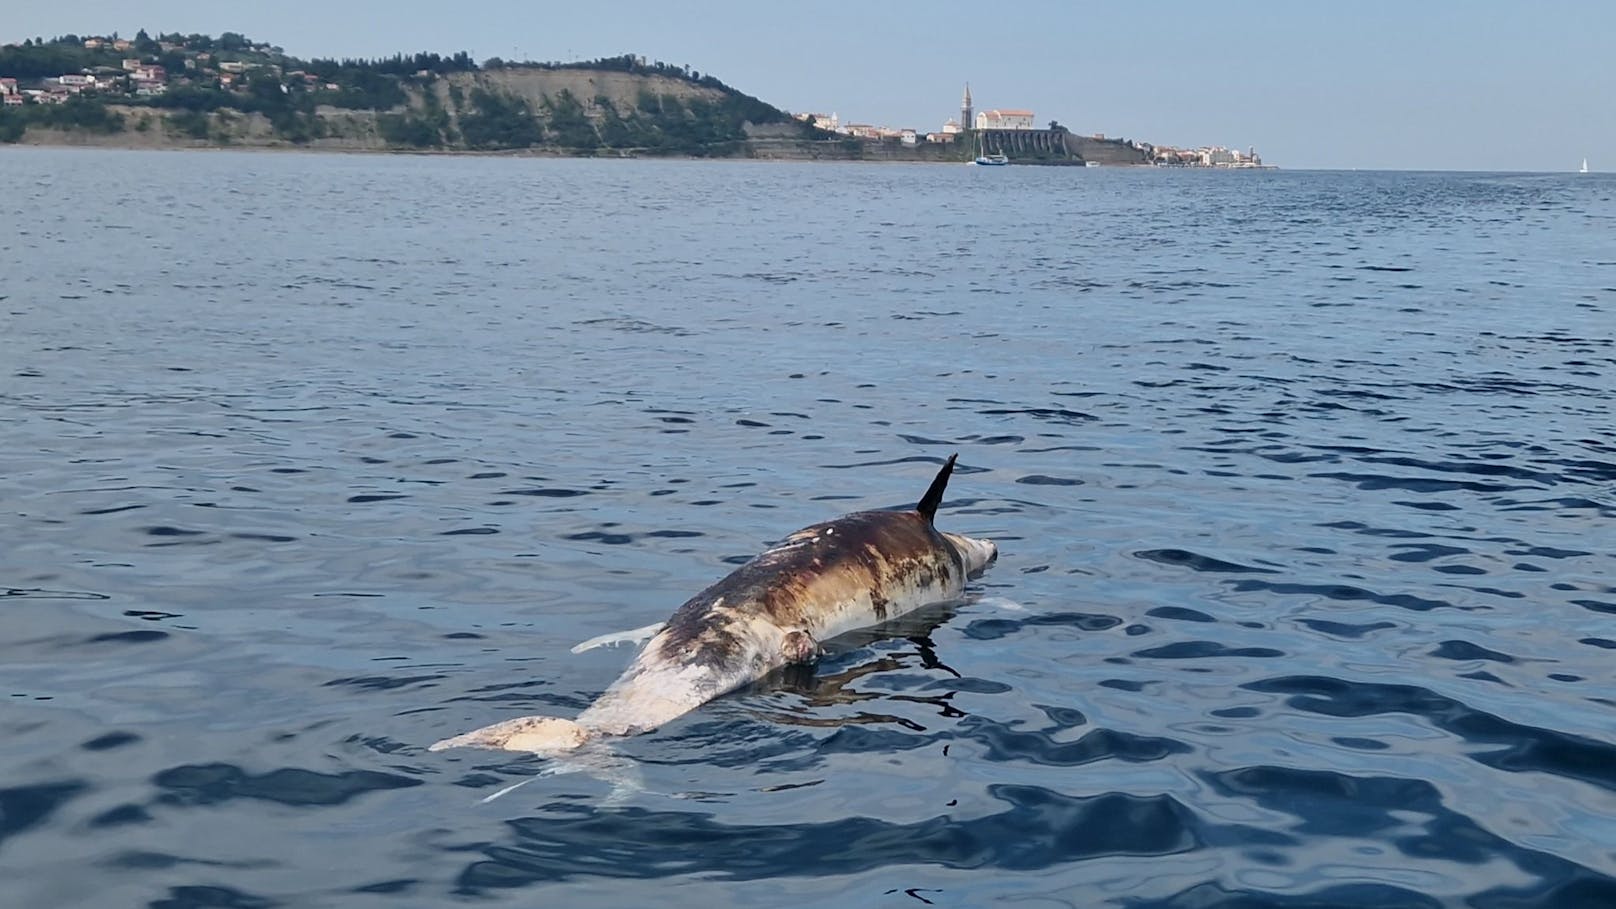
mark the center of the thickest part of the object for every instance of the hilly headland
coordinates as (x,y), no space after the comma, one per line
(197,91)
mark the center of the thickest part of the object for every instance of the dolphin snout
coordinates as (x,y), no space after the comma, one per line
(976,554)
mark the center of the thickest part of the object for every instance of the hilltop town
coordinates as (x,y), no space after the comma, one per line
(987,126)
(108,68)
(177,90)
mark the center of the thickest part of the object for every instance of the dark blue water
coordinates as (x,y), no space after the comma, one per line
(1304,483)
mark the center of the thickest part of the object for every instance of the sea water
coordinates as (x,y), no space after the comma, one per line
(1303,483)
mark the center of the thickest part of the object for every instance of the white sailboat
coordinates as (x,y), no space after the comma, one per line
(1584,166)
(985,159)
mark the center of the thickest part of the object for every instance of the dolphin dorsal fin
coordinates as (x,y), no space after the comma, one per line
(934,495)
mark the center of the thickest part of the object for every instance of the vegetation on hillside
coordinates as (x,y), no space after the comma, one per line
(197,84)
(75,114)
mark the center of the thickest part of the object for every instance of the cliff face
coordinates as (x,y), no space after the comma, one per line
(531,109)
(579,110)
(622,90)
(535,110)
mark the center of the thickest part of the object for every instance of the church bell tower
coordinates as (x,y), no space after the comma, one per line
(965,110)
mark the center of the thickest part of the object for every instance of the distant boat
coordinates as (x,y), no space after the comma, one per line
(1584,166)
(985,159)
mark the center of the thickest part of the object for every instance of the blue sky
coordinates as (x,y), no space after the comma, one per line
(1432,84)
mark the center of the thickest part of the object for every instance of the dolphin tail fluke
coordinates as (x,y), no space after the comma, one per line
(934,495)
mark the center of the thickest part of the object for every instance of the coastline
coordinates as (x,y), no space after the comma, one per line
(180,92)
(113,143)
(554,154)
(764,154)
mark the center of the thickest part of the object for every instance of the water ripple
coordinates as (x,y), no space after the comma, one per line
(1304,589)
(1039,829)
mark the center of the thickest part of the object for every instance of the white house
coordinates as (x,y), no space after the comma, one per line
(1005,119)
(820,121)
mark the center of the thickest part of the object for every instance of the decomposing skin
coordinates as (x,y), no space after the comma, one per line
(858,570)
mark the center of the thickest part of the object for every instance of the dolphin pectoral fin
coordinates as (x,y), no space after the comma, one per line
(632,636)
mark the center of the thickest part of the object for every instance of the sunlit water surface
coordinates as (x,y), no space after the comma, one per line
(1304,483)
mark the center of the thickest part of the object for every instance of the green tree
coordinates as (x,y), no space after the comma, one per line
(499,121)
(41,61)
(296,126)
(265,91)
(408,131)
(12,126)
(615,131)
(569,123)
(191,123)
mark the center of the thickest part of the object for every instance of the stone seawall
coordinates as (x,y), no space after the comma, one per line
(1112,152)
(1057,146)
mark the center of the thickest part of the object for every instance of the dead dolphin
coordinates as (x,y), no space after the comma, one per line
(858,570)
